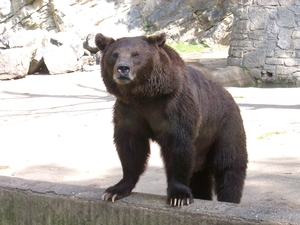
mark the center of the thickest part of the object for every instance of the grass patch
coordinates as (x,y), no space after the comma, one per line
(264,136)
(245,69)
(183,47)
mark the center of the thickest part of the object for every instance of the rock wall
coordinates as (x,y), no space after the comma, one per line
(181,18)
(56,36)
(266,40)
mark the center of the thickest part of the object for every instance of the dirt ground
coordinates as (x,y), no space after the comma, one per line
(58,129)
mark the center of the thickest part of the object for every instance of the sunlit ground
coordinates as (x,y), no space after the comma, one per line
(58,129)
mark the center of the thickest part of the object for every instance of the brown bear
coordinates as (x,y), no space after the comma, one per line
(194,119)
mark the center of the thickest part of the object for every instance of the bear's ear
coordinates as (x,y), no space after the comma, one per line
(102,41)
(159,39)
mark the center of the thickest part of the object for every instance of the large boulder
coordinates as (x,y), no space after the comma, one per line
(37,63)
(60,59)
(18,50)
(36,51)
(69,38)
(62,52)
(233,76)
(22,38)
(14,63)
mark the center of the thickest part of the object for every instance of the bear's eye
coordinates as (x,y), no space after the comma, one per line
(135,54)
(115,55)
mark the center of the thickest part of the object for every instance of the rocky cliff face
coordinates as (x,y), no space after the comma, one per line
(55,36)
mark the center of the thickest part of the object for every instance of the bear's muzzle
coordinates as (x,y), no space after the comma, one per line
(123,73)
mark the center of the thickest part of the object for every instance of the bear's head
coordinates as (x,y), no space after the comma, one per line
(138,66)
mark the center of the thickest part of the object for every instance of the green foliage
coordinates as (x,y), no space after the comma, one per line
(264,136)
(245,69)
(149,26)
(184,47)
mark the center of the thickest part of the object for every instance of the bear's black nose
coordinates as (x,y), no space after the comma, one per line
(123,69)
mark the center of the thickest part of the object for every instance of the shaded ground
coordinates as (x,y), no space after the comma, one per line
(58,129)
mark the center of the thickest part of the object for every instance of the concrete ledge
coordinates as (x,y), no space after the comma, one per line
(34,202)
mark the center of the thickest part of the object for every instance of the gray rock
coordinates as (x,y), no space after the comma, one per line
(296,43)
(296,34)
(278,53)
(284,70)
(88,63)
(292,62)
(255,73)
(296,77)
(283,44)
(60,52)
(18,4)
(233,76)
(22,38)
(14,63)
(60,59)
(272,30)
(254,59)
(5,8)
(285,38)
(68,38)
(60,10)
(37,62)
(275,61)
(134,13)
(268,3)
(90,43)
(25,14)
(285,17)
(25,40)
(57,52)
(258,17)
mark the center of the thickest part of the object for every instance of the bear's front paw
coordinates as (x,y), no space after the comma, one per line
(116,192)
(179,195)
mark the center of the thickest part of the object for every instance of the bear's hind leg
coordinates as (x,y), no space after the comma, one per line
(229,171)
(229,185)
(201,184)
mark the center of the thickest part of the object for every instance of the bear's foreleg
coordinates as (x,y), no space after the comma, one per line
(133,150)
(133,153)
(177,154)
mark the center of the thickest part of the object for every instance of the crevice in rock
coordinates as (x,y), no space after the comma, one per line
(38,67)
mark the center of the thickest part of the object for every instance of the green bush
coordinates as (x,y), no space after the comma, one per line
(184,47)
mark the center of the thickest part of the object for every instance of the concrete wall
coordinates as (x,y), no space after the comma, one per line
(266,40)
(24,202)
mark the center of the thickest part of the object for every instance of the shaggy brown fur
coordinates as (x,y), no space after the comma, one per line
(195,121)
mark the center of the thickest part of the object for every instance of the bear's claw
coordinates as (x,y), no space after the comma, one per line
(179,195)
(180,202)
(106,196)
